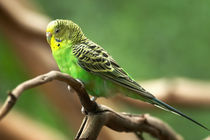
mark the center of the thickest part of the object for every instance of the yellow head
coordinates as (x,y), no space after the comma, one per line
(62,33)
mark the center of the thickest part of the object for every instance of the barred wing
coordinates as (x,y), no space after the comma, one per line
(95,59)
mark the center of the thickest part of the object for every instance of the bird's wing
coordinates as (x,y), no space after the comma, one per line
(95,59)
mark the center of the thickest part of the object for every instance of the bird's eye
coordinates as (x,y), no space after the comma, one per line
(57,30)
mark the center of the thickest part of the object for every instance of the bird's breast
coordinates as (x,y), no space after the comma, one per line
(66,61)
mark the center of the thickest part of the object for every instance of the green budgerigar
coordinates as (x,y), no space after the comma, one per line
(85,60)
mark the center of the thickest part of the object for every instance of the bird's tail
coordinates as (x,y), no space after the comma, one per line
(167,107)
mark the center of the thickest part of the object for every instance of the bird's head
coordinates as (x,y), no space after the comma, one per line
(62,33)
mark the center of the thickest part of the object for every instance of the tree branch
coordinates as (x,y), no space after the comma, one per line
(122,122)
(97,115)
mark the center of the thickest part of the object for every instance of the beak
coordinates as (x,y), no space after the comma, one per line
(49,36)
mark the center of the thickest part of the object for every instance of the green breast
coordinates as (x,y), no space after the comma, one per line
(67,63)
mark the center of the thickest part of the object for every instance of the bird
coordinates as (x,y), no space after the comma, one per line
(88,62)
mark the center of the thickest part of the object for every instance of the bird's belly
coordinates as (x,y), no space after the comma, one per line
(94,84)
(97,86)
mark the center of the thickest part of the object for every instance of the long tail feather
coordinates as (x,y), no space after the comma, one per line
(167,107)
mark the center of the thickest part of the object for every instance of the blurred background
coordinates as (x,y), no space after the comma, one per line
(163,44)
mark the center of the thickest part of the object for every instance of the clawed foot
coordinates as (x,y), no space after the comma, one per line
(71,90)
(84,111)
(80,83)
(93,98)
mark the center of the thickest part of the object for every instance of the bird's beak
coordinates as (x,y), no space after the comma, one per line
(49,36)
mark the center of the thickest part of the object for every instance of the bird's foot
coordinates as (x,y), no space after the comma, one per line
(82,84)
(93,98)
(84,111)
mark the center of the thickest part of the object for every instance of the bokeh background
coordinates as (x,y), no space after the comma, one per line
(150,39)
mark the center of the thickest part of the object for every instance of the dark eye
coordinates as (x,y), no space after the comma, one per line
(57,30)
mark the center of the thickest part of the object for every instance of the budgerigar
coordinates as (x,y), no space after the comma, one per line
(85,60)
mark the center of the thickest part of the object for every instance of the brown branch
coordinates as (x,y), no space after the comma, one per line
(98,115)
(125,123)
(39,80)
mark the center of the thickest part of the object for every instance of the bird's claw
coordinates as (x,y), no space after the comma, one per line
(93,98)
(80,83)
(84,111)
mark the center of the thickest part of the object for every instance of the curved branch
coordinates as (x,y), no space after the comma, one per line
(98,115)
(42,79)
(123,122)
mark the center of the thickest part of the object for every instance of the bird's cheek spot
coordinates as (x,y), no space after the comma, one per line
(58,40)
(58,45)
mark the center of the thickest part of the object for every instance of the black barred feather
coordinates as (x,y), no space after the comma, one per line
(101,63)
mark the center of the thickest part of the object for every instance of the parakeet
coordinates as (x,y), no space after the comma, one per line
(85,60)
